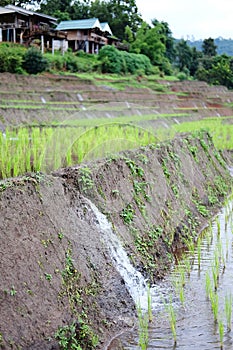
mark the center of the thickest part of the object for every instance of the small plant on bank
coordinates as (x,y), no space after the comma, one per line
(127,214)
(13,291)
(48,276)
(66,337)
(85,179)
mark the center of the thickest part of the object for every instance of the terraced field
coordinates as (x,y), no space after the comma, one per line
(51,121)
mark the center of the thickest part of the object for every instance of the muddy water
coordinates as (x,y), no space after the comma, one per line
(195,325)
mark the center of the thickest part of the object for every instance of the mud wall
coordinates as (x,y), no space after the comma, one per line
(58,282)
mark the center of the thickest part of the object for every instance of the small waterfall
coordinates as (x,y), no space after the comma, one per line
(134,280)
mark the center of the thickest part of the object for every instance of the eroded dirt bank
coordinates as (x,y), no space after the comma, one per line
(56,270)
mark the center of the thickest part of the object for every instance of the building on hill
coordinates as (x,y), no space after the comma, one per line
(88,35)
(22,26)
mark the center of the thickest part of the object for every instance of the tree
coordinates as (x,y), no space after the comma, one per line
(149,42)
(123,13)
(209,48)
(183,55)
(166,38)
(50,7)
(22,3)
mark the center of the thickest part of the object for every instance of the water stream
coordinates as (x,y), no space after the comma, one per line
(134,280)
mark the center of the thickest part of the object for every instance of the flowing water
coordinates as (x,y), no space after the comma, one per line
(195,325)
(134,280)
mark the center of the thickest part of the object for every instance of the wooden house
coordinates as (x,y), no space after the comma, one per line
(88,35)
(23,26)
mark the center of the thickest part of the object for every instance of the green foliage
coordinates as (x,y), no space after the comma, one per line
(136,63)
(66,337)
(182,76)
(209,47)
(34,62)
(150,42)
(85,179)
(111,60)
(11,58)
(127,214)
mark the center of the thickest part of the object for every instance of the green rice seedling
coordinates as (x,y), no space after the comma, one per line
(221,332)
(214,305)
(172,320)
(228,310)
(218,226)
(215,277)
(227,247)
(190,246)
(199,253)
(143,329)
(208,285)
(149,304)
(182,297)
(181,274)
(209,236)
(187,266)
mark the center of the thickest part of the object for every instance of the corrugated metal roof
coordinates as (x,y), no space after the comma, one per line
(28,12)
(79,24)
(4,10)
(105,27)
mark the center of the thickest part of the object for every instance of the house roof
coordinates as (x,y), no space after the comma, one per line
(79,24)
(12,9)
(4,10)
(105,27)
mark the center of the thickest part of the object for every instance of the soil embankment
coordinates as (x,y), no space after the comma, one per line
(55,268)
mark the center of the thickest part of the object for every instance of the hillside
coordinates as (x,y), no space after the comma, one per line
(224,46)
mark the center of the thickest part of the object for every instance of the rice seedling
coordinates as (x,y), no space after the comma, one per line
(187,265)
(199,253)
(208,285)
(215,277)
(143,329)
(149,304)
(218,226)
(221,332)
(214,305)
(182,297)
(228,310)
(172,320)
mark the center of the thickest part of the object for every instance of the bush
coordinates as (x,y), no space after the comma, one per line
(182,76)
(111,60)
(11,58)
(34,62)
(120,62)
(56,62)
